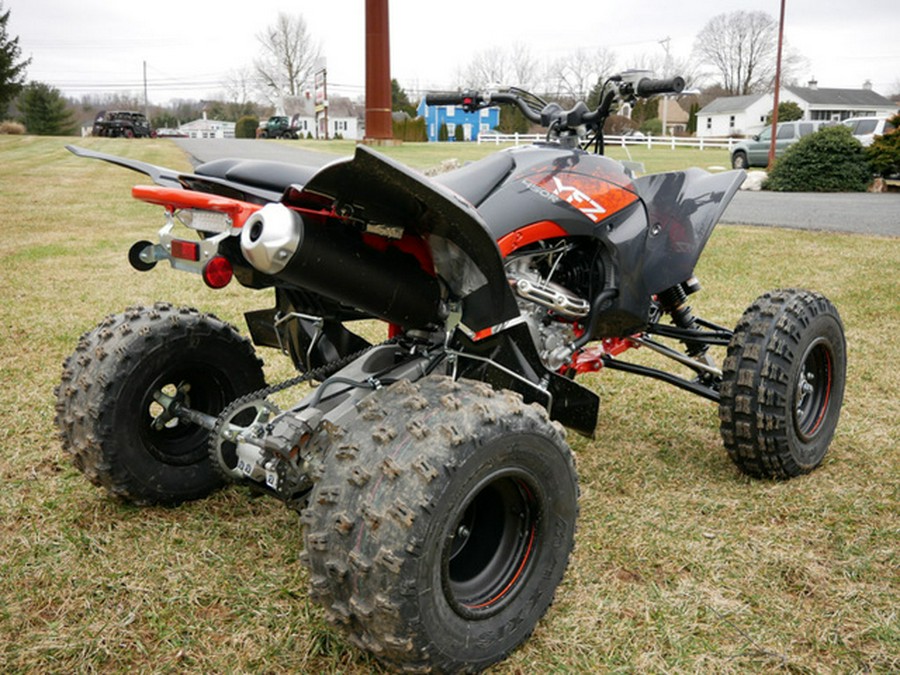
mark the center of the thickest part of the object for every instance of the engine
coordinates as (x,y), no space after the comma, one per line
(552,311)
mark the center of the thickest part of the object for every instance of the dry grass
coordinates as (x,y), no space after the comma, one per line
(681,565)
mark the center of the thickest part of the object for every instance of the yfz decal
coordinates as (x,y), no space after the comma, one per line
(595,198)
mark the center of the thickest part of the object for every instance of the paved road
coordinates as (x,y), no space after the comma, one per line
(862,213)
(207,149)
(859,212)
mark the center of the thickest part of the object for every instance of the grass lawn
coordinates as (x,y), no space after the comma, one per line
(681,563)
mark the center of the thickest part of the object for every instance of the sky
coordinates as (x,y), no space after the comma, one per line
(190,47)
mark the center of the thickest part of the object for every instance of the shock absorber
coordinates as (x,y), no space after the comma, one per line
(673,301)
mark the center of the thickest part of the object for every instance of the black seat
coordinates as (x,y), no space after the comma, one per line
(266,174)
(477,180)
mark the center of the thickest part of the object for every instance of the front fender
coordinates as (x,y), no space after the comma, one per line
(683,207)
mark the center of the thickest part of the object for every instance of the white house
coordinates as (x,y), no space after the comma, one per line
(207,128)
(746,115)
(341,113)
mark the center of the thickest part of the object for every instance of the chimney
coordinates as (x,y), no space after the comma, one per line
(813,84)
(867,85)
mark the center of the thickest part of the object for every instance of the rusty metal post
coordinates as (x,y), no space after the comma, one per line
(378,73)
(777,90)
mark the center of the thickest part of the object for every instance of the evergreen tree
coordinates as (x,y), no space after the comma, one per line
(692,118)
(788,111)
(12,71)
(400,101)
(44,111)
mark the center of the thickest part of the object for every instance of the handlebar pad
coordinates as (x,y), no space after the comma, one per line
(647,87)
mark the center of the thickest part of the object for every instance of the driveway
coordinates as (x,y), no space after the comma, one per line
(858,212)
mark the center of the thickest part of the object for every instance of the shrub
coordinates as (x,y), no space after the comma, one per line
(411,130)
(443,134)
(652,127)
(830,160)
(10,127)
(246,127)
(884,153)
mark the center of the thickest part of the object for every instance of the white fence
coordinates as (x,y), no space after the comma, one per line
(672,142)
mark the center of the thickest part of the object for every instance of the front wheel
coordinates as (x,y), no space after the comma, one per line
(783,384)
(739,160)
(442,524)
(108,414)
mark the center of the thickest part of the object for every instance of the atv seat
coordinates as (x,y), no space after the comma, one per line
(265,174)
(475,181)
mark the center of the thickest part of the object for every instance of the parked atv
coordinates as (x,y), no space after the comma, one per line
(431,471)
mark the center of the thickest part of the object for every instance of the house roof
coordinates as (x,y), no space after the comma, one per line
(729,104)
(674,112)
(841,97)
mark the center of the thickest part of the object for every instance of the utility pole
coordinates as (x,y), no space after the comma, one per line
(146,102)
(379,127)
(777,90)
(667,67)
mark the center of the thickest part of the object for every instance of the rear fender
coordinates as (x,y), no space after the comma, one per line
(377,190)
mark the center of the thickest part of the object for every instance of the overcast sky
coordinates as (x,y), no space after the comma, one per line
(191,46)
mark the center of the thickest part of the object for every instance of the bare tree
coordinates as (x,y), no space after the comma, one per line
(741,48)
(524,67)
(239,85)
(575,75)
(288,58)
(488,67)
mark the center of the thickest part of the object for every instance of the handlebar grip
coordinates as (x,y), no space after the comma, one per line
(647,87)
(444,99)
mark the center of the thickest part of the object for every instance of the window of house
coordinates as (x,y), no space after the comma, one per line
(708,123)
(731,122)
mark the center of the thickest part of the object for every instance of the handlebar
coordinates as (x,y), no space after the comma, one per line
(647,87)
(571,125)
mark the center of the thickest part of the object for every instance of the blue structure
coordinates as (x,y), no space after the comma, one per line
(473,123)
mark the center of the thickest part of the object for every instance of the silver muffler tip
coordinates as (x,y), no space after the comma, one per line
(270,237)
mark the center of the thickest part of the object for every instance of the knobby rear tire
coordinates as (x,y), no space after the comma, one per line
(442,524)
(104,404)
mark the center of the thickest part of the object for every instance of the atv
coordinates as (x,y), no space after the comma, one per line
(431,471)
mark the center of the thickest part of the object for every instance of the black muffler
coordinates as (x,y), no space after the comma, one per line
(329,257)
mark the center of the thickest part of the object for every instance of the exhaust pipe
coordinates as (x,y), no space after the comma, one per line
(329,257)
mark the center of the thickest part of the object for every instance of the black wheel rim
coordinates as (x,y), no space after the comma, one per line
(182,443)
(488,551)
(812,394)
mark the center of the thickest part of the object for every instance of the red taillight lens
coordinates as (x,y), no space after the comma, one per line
(217,272)
(186,250)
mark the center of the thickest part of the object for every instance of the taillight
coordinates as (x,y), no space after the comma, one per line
(185,250)
(217,272)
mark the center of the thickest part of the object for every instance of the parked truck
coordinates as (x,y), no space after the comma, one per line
(127,123)
(279,126)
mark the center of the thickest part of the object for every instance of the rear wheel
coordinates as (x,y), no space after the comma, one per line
(442,524)
(108,416)
(783,384)
(739,160)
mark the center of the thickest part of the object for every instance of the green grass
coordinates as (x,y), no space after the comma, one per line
(681,564)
